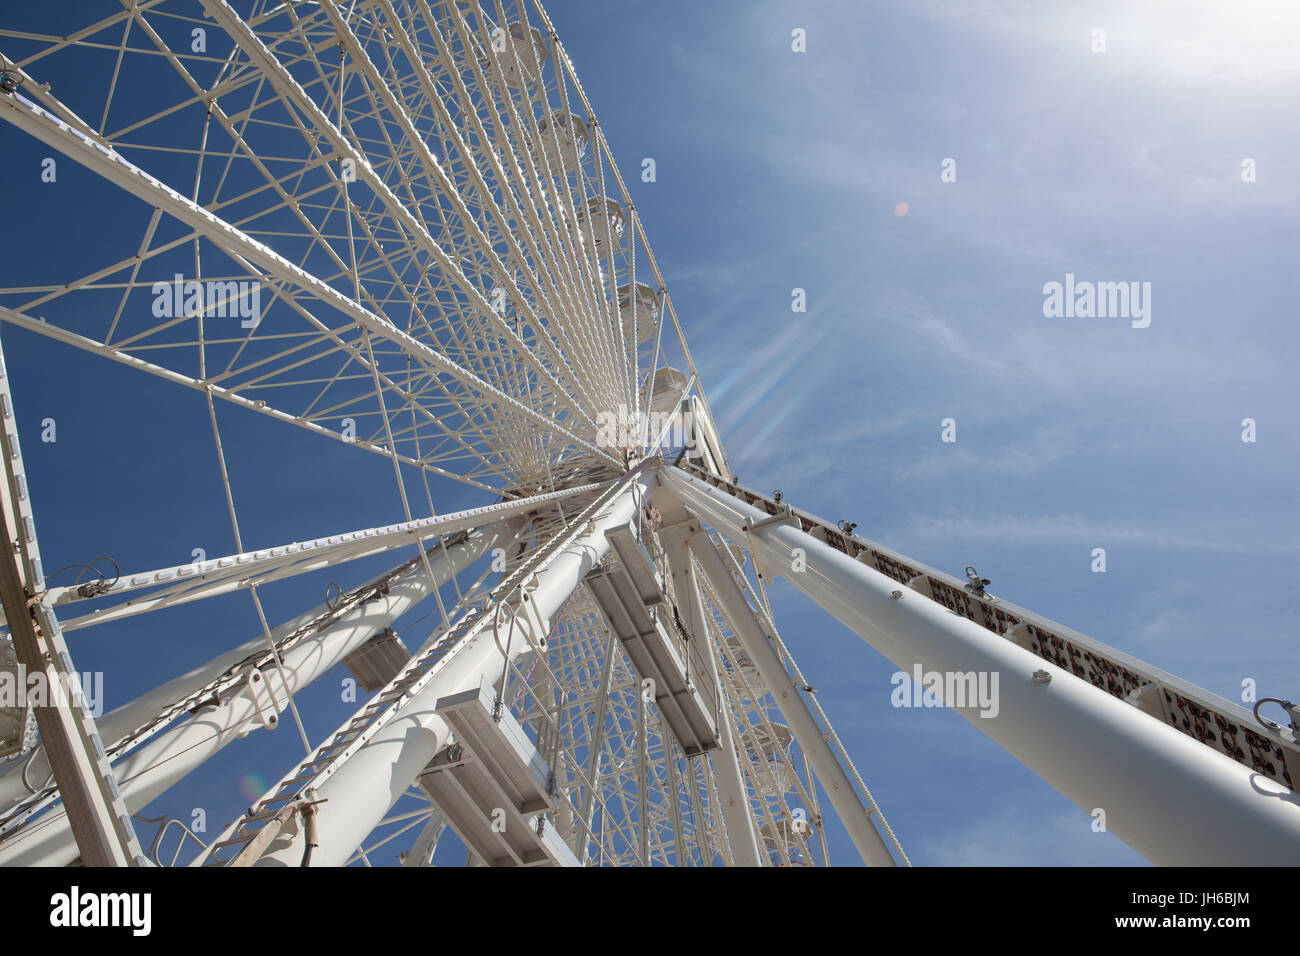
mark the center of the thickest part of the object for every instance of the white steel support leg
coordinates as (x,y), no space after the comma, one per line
(1174,800)
(103,830)
(741,832)
(421,854)
(596,748)
(100,830)
(855,816)
(354,629)
(356,796)
(675,801)
(642,783)
(151,770)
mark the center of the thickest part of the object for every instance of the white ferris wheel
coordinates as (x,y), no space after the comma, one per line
(396,225)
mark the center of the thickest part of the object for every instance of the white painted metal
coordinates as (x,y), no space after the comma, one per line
(421,854)
(1171,798)
(741,833)
(853,813)
(360,793)
(100,825)
(405,591)
(498,769)
(479,296)
(152,769)
(190,582)
(397,320)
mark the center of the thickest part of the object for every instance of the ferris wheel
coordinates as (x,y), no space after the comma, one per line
(396,226)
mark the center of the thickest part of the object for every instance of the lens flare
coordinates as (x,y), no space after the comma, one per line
(252,786)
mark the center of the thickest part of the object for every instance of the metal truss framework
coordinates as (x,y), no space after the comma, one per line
(397,224)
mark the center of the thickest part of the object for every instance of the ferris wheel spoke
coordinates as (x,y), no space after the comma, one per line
(196,580)
(400,213)
(237,243)
(386,103)
(426,100)
(298,207)
(419,203)
(529,172)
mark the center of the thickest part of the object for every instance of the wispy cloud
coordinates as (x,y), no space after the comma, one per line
(1017,838)
(1062,528)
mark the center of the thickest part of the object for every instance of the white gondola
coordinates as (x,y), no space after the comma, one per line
(744,675)
(564,140)
(601,211)
(667,391)
(769,754)
(781,835)
(520,60)
(646,313)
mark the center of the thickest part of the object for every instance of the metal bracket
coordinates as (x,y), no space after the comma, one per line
(257,688)
(786,516)
(528,608)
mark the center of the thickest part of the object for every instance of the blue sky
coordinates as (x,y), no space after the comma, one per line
(778,170)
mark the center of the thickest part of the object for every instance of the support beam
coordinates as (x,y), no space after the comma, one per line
(741,832)
(855,815)
(595,751)
(193,581)
(101,828)
(152,769)
(1165,794)
(1222,725)
(421,854)
(101,159)
(361,790)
